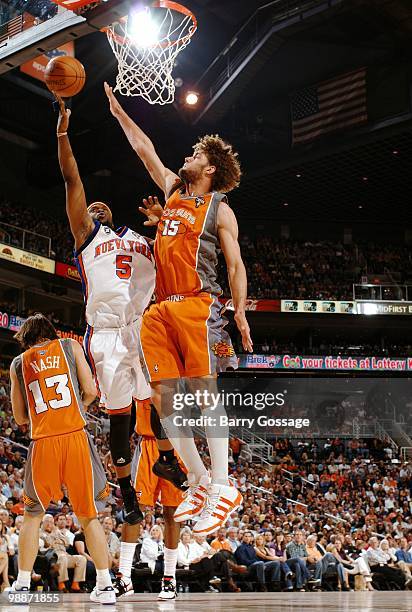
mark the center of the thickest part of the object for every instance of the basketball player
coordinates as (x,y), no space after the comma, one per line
(181,335)
(150,490)
(117,273)
(50,385)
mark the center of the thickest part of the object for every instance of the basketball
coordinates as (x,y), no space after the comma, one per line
(65,75)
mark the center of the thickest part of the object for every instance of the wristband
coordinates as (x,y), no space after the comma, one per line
(61,134)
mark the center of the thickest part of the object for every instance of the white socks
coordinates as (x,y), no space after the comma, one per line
(170,560)
(103,579)
(218,443)
(24,578)
(126,559)
(184,444)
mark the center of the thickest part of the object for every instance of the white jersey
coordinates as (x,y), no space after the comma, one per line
(117,271)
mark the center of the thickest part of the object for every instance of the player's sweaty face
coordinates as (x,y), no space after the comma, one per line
(100,212)
(193,167)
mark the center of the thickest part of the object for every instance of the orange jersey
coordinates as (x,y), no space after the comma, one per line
(48,379)
(143,411)
(187,245)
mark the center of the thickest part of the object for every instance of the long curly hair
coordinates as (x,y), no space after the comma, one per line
(221,155)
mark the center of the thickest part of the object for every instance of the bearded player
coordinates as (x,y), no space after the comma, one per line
(181,333)
(117,272)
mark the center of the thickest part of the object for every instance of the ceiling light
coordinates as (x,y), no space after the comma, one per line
(192,98)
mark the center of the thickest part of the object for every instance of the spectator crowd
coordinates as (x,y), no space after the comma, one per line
(328,514)
(276,268)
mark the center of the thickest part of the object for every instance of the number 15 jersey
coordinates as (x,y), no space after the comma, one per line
(118,276)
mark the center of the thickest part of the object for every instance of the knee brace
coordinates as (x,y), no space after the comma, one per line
(119,439)
(156,425)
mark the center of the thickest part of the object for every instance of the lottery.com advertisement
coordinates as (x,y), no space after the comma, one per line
(284,406)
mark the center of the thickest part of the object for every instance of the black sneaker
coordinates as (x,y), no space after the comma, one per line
(131,512)
(168,590)
(172,472)
(121,587)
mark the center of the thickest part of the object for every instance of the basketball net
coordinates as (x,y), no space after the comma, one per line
(146,45)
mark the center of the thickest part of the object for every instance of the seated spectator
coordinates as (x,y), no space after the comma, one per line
(61,524)
(80,547)
(6,549)
(223,562)
(296,559)
(221,542)
(151,554)
(194,557)
(404,560)
(351,563)
(232,538)
(379,561)
(246,555)
(272,566)
(278,548)
(57,541)
(113,541)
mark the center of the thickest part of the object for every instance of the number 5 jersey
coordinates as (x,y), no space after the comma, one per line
(118,276)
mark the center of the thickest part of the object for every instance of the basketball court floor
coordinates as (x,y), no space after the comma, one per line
(384,601)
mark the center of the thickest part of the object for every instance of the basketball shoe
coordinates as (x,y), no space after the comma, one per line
(106,596)
(168,590)
(194,499)
(122,586)
(131,512)
(221,501)
(170,471)
(15,588)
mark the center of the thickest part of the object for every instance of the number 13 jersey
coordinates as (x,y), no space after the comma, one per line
(48,380)
(118,275)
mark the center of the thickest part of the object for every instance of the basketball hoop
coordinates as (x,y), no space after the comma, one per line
(146,45)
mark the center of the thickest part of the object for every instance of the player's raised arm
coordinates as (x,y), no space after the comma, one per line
(81,223)
(142,145)
(18,404)
(228,235)
(84,375)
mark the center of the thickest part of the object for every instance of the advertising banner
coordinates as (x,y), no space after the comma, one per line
(307,362)
(319,306)
(67,271)
(36,67)
(14,322)
(258,305)
(11,253)
(384,308)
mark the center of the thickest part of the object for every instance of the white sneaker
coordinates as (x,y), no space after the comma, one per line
(194,499)
(15,589)
(107,596)
(221,501)
(168,590)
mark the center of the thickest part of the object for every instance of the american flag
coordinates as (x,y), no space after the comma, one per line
(329,106)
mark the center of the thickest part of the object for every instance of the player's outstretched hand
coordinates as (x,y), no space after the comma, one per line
(152,209)
(243,327)
(115,107)
(64,116)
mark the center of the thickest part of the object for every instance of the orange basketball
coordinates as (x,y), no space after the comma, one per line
(65,75)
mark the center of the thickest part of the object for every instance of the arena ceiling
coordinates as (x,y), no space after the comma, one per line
(363,175)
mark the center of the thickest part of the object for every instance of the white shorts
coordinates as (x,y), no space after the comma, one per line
(113,357)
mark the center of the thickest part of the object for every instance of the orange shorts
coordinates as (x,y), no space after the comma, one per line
(69,459)
(184,337)
(149,488)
